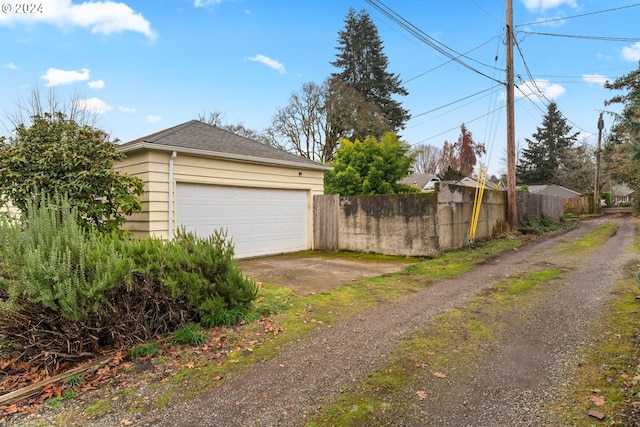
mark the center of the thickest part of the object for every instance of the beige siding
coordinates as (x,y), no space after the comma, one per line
(153,168)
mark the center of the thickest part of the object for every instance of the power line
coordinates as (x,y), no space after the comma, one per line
(451,103)
(579,16)
(428,40)
(541,94)
(487,13)
(572,36)
(451,60)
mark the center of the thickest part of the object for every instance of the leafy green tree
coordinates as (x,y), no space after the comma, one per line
(370,167)
(547,153)
(55,155)
(622,149)
(364,67)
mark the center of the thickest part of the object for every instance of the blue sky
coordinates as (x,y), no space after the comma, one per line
(144,65)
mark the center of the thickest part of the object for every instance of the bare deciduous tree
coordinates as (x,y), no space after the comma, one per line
(427,159)
(302,122)
(38,105)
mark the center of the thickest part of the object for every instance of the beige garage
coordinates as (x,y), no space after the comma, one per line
(204,178)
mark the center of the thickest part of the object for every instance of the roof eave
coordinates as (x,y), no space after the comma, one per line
(228,156)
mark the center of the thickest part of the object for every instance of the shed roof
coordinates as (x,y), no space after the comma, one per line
(553,190)
(198,138)
(419,180)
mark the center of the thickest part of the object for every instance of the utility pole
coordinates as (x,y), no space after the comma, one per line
(512,211)
(596,190)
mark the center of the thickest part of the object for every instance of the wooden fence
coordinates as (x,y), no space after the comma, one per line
(579,205)
(538,204)
(325,222)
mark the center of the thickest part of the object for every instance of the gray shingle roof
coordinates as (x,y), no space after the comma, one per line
(419,180)
(201,138)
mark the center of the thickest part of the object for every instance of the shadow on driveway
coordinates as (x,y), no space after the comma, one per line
(307,275)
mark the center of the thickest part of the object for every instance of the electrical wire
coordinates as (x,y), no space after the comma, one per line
(573,36)
(452,103)
(541,95)
(428,40)
(449,61)
(578,16)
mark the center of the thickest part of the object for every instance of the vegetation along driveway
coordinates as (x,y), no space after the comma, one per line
(542,334)
(491,347)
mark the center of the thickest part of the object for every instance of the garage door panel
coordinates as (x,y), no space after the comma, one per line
(259,221)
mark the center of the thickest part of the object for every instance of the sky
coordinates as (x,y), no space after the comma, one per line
(143,66)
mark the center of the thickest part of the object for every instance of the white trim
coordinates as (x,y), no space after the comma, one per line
(171,191)
(216,154)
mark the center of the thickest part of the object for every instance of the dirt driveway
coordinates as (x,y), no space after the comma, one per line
(307,275)
(507,389)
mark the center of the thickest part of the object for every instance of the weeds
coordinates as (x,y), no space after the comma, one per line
(144,350)
(191,334)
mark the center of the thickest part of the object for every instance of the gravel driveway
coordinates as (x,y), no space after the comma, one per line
(508,390)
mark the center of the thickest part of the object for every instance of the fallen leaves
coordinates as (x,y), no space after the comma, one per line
(596,414)
(439,374)
(421,394)
(121,372)
(596,400)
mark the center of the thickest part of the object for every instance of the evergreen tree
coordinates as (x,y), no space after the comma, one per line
(624,140)
(548,151)
(364,68)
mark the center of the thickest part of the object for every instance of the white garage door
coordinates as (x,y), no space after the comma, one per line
(260,221)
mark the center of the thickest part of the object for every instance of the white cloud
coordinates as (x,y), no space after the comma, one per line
(542,5)
(631,53)
(101,17)
(55,77)
(538,89)
(96,84)
(595,78)
(153,119)
(93,105)
(126,109)
(271,63)
(205,3)
(10,65)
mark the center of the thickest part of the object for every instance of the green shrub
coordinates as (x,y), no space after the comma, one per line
(77,290)
(55,262)
(200,271)
(225,317)
(192,334)
(528,220)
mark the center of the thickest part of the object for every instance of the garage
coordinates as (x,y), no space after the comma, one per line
(260,221)
(205,178)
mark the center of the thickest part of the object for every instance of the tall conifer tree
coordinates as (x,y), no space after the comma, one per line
(547,151)
(364,67)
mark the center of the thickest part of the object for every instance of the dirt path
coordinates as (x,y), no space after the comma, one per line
(524,367)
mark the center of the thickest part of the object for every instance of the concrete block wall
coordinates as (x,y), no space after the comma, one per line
(403,224)
(455,210)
